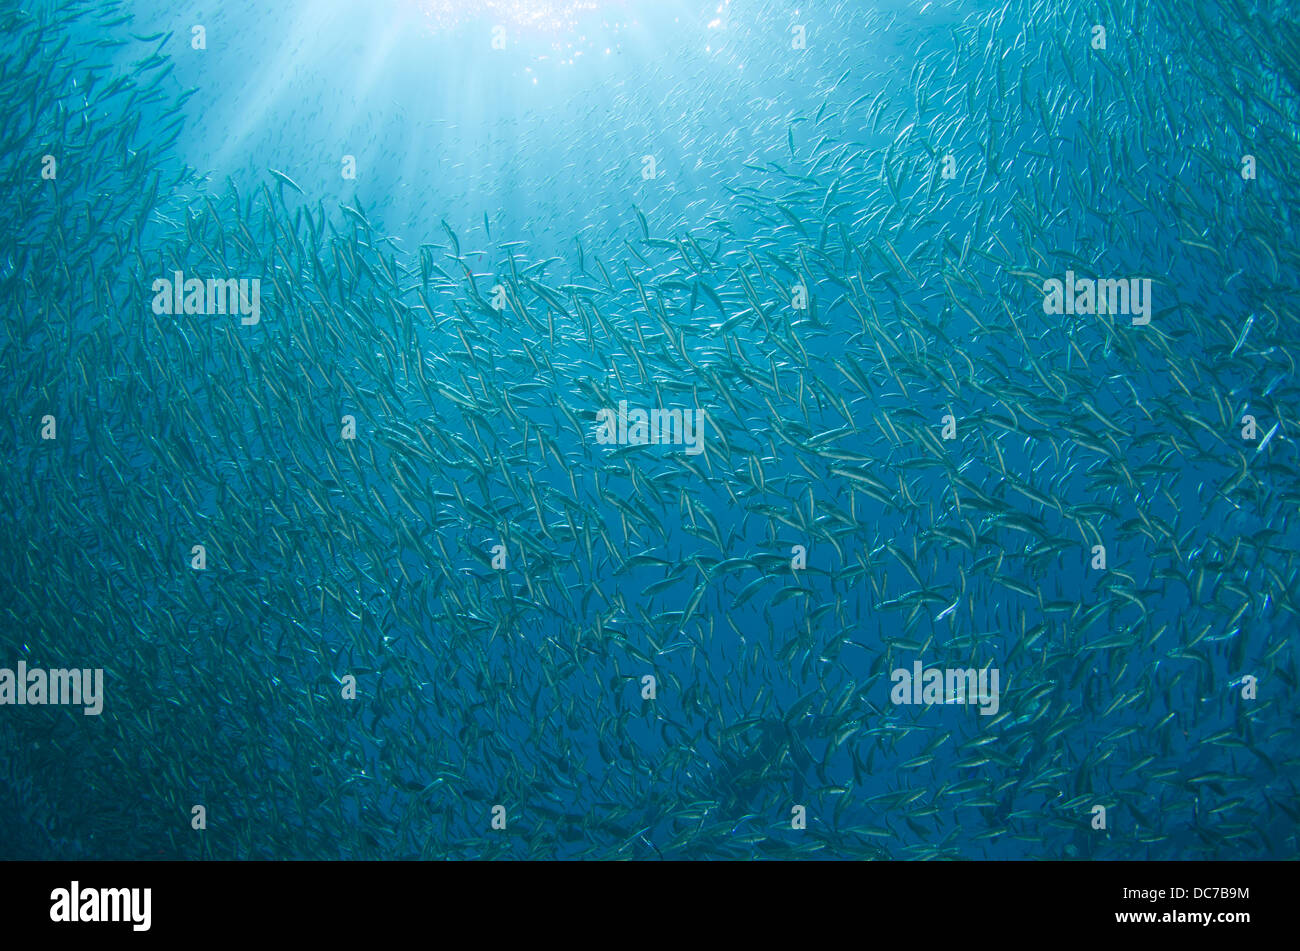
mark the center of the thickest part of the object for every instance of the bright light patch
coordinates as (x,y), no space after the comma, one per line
(533,16)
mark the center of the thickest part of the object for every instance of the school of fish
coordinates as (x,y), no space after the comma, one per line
(366,580)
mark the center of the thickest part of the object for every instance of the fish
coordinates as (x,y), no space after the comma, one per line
(581,537)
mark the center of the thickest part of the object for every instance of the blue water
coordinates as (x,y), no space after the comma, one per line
(625,181)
